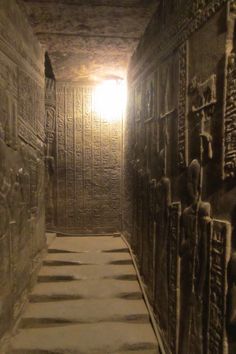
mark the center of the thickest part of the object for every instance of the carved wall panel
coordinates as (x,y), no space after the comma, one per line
(174,276)
(230,121)
(220,243)
(88,163)
(22,237)
(149,98)
(163,190)
(50,131)
(203,101)
(183,107)
(8,96)
(130,178)
(185,263)
(229,129)
(31,108)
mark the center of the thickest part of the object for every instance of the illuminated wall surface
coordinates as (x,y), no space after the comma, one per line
(180,169)
(22,113)
(88,159)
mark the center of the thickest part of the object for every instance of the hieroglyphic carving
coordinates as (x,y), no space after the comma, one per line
(39,104)
(79,181)
(149,100)
(230,119)
(203,106)
(138,102)
(50,130)
(183,106)
(21,177)
(168,113)
(196,221)
(145,235)
(166,94)
(28,135)
(26,99)
(91,166)
(30,105)
(87,153)
(186,21)
(174,276)
(50,124)
(19,40)
(220,244)
(49,190)
(229,129)
(152,222)
(61,156)
(163,199)
(70,159)
(8,99)
(195,231)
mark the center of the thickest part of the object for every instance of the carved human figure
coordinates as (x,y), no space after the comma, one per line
(203,107)
(49,175)
(193,251)
(231,321)
(4,191)
(50,129)
(150,99)
(163,200)
(152,233)
(14,198)
(3,113)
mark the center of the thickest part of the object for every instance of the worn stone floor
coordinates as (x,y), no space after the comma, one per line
(87,300)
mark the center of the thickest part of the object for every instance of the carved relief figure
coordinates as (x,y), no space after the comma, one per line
(163,200)
(49,175)
(231,313)
(4,191)
(203,106)
(220,243)
(173,275)
(50,130)
(182,105)
(3,113)
(195,230)
(138,102)
(149,98)
(229,158)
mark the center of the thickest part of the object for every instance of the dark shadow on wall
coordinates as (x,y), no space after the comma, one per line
(48,68)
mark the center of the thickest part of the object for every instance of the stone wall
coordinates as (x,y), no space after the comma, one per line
(180,170)
(22,236)
(88,163)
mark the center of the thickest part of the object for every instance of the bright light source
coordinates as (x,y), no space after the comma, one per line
(110,99)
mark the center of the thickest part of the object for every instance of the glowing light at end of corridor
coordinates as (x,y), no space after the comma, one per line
(110,99)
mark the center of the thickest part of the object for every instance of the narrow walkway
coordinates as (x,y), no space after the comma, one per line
(87,300)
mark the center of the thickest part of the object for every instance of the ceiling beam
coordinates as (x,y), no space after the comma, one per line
(97,3)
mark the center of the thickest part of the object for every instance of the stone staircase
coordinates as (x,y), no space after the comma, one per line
(87,301)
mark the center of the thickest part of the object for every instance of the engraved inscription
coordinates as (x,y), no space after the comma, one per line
(88,162)
(174,276)
(220,244)
(182,106)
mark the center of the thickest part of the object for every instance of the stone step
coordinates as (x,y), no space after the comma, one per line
(100,338)
(85,244)
(75,272)
(87,289)
(85,311)
(89,258)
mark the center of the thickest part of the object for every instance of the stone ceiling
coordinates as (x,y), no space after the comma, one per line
(89,39)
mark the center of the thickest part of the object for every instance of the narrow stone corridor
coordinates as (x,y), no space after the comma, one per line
(87,300)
